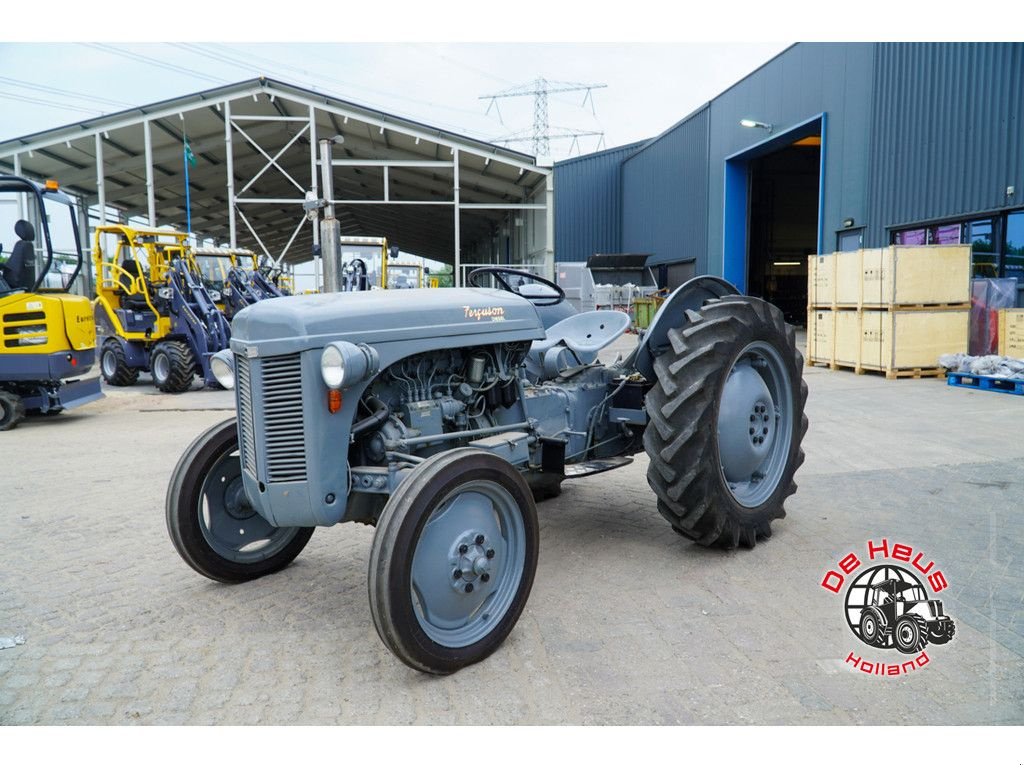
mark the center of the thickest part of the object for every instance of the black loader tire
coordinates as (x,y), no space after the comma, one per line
(941,638)
(12,410)
(180,366)
(114,365)
(681,440)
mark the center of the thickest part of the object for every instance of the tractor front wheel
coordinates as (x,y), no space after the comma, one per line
(173,366)
(211,523)
(453,560)
(910,633)
(726,422)
(12,410)
(114,365)
(871,628)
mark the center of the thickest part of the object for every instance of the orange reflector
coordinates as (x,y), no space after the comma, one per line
(334,400)
(51,184)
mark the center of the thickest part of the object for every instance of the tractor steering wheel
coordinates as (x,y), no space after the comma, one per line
(472,279)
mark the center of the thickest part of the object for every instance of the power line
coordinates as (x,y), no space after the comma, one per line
(45,102)
(61,92)
(154,62)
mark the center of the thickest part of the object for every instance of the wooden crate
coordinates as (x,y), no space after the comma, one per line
(819,336)
(821,280)
(896,341)
(846,348)
(850,275)
(916,275)
(1011,333)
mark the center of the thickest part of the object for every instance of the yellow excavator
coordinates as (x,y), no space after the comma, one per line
(47,334)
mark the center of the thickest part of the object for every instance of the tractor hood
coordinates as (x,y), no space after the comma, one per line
(295,323)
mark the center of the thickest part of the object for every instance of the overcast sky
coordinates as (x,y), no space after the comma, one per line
(650,85)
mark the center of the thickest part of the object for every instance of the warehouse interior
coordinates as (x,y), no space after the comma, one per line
(783,228)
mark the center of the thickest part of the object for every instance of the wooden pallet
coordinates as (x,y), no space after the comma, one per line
(986,383)
(890,307)
(895,373)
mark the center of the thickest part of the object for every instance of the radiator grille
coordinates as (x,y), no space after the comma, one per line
(282,419)
(243,385)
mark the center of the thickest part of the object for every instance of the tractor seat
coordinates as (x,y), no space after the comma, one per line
(576,340)
(129,300)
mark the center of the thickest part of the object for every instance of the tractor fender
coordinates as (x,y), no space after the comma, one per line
(691,295)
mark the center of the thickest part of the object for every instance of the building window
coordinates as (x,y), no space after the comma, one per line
(997,242)
(984,255)
(1013,263)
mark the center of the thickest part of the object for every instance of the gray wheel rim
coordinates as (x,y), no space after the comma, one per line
(755,424)
(109,364)
(869,628)
(468,564)
(232,528)
(161,367)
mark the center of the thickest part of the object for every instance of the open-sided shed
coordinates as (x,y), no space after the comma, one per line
(432,192)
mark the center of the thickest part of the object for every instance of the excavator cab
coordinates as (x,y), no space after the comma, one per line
(47,337)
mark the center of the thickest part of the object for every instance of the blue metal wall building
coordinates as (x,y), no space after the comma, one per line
(911,135)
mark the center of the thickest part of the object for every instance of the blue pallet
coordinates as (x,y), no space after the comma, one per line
(987,383)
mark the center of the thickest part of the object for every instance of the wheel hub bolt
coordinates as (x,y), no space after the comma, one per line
(457,574)
(469,588)
(485,577)
(479,539)
(463,549)
(490,554)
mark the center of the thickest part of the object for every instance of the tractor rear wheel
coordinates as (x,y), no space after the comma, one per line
(12,410)
(209,518)
(453,560)
(173,366)
(114,365)
(726,422)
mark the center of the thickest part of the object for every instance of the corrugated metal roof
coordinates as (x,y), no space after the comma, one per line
(275,113)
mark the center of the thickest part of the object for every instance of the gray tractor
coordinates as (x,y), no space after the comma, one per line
(441,416)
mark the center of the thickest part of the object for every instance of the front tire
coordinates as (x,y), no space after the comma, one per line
(210,521)
(727,419)
(944,636)
(910,634)
(173,366)
(453,560)
(12,410)
(114,365)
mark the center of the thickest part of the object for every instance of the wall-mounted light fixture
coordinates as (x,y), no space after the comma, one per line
(847,223)
(746,122)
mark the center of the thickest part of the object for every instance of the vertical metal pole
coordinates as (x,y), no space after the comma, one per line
(101,189)
(150,187)
(83,235)
(314,187)
(549,226)
(458,234)
(330,230)
(229,154)
(21,201)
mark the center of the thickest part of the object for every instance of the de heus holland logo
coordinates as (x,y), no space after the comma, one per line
(887,606)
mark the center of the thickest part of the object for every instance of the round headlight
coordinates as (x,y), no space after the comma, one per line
(332,367)
(223,367)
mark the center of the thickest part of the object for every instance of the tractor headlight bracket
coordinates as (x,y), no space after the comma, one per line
(343,364)
(222,364)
